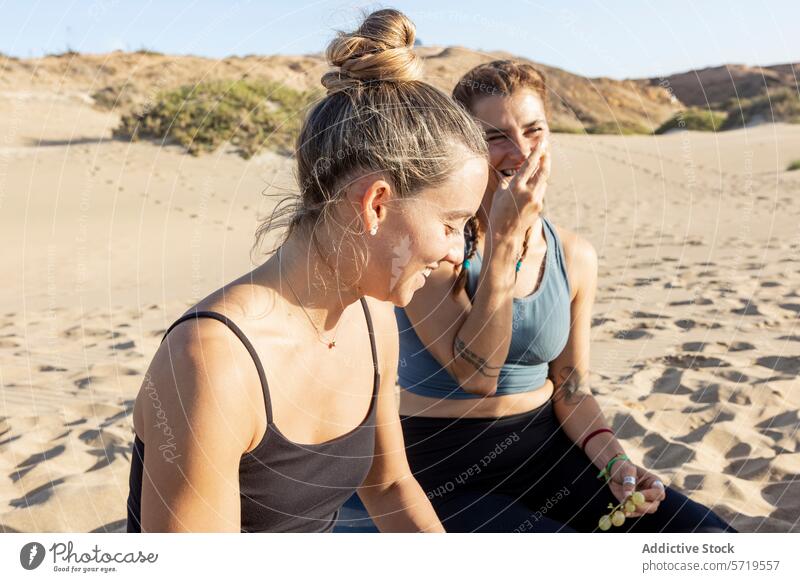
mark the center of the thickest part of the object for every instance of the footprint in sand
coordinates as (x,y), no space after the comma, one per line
(749,468)
(48,368)
(738,346)
(693,362)
(124,345)
(662,454)
(694,346)
(786,364)
(670,383)
(738,450)
(693,482)
(38,495)
(748,308)
(632,334)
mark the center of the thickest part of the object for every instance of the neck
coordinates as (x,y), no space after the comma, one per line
(318,282)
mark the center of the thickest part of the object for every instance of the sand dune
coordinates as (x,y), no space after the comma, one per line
(696,332)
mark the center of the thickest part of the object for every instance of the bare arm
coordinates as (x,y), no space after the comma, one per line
(391,494)
(192,445)
(574,406)
(471,341)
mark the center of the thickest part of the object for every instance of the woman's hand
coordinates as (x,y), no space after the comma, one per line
(519,199)
(646,483)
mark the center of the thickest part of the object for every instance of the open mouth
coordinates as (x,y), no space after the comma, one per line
(508,172)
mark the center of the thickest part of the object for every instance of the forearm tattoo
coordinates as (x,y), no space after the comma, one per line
(476,361)
(569,385)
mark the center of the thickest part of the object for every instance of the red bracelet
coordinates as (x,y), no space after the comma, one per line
(594,434)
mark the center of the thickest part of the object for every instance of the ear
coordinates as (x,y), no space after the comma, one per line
(370,196)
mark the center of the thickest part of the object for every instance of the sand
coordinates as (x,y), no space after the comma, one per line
(696,342)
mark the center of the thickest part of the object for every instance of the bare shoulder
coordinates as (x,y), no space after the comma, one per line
(580,256)
(198,382)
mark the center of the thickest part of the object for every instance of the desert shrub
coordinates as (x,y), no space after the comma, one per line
(694,120)
(780,105)
(248,113)
(618,128)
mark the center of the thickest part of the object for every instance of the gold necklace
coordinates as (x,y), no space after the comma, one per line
(331,344)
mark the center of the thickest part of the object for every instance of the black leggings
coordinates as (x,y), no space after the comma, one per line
(521,473)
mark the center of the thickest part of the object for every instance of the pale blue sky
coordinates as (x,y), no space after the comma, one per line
(614,38)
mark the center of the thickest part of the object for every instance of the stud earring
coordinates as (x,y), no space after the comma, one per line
(374,230)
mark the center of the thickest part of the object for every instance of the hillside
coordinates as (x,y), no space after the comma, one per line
(717,86)
(125,80)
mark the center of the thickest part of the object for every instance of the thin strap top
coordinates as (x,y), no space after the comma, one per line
(286,486)
(540,330)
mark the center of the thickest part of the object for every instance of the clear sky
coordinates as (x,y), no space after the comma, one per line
(613,38)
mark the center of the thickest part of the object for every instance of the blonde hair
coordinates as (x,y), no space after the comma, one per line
(378,117)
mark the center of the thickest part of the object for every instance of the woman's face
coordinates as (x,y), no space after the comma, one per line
(513,126)
(421,232)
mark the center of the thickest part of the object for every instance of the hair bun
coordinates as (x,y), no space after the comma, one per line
(381,49)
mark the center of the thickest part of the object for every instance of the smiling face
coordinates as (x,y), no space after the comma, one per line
(513,126)
(420,232)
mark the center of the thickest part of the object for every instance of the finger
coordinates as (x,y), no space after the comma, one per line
(647,507)
(660,489)
(502,180)
(628,479)
(529,166)
(653,495)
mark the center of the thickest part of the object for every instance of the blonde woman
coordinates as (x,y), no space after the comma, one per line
(271,401)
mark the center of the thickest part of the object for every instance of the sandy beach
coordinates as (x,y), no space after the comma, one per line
(696,331)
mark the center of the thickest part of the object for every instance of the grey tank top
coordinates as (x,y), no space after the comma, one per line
(286,486)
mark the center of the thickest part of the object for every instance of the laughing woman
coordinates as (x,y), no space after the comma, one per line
(272,400)
(500,429)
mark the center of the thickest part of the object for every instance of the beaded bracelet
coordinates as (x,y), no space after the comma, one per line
(606,473)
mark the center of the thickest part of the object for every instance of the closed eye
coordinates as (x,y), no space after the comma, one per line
(453,230)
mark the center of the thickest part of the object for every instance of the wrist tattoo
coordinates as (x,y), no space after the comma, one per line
(477,362)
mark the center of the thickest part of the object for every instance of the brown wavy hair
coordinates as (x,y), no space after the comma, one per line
(503,78)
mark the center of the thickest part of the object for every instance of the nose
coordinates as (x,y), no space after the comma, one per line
(522,149)
(455,254)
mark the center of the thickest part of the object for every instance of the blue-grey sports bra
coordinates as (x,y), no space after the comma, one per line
(540,329)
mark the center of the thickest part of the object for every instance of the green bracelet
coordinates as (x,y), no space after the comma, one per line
(606,473)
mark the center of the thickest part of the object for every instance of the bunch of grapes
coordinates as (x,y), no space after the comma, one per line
(616,515)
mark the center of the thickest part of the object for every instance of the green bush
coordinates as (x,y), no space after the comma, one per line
(618,128)
(780,105)
(694,120)
(249,114)
(559,128)
(795,165)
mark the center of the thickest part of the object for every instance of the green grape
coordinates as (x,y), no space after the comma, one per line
(638,498)
(618,518)
(605,523)
(630,506)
